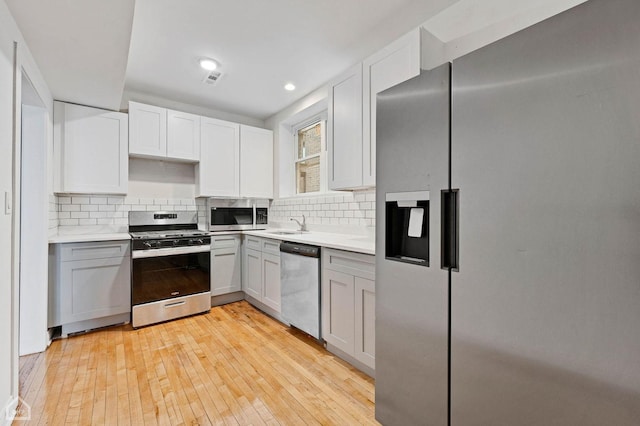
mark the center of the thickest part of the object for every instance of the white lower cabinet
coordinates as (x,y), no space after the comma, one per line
(225,264)
(91,285)
(348,305)
(261,271)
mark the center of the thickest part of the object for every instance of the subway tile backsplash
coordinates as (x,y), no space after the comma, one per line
(353,209)
(339,210)
(89,210)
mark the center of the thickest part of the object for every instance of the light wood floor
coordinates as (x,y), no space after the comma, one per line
(233,366)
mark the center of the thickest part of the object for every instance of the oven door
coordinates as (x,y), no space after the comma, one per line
(170,274)
(230,218)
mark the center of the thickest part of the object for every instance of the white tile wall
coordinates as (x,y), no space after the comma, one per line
(351,209)
(357,209)
(87,210)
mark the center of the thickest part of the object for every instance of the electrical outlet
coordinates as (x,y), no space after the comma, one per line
(7,203)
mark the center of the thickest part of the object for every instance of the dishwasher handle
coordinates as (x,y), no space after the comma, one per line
(300,249)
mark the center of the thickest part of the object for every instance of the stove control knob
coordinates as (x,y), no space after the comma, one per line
(199,241)
(147,244)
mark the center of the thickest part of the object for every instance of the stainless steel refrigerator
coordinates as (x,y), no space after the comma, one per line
(508,230)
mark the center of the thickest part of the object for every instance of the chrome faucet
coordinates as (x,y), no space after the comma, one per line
(303,225)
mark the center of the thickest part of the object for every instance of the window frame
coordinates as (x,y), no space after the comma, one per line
(322,157)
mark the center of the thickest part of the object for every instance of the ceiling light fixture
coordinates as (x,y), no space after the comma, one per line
(289,87)
(208,64)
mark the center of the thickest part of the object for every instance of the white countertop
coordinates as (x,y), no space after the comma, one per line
(356,243)
(80,238)
(349,242)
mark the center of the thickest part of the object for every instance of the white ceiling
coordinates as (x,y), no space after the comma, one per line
(89,51)
(261,45)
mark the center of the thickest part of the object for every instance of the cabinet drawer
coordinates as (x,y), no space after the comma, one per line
(253,243)
(224,241)
(97,250)
(271,246)
(356,264)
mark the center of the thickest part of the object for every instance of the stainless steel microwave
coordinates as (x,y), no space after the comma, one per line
(227,214)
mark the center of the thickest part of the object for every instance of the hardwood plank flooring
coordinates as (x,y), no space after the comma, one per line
(231,366)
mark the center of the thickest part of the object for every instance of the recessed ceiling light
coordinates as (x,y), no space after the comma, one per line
(208,64)
(289,87)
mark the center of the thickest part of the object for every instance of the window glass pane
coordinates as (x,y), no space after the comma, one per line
(308,175)
(309,141)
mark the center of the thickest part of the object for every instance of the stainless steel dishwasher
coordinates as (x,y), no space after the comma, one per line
(300,286)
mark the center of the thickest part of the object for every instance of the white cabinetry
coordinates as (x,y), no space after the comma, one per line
(164,134)
(348,306)
(91,285)
(218,173)
(147,130)
(90,148)
(261,275)
(345,130)
(225,264)
(235,161)
(256,162)
(398,62)
(183,136)
(352,110)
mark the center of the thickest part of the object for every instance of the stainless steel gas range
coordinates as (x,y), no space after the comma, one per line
(170,267)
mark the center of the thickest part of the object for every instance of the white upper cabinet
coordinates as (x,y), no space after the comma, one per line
(352,111)
(164,134)
(345,130)
(147,130)
(218,173)
(398,62)
(183,136)
(90,147)
(256,162)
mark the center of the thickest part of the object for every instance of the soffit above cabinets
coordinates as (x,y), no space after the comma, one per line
(80,46)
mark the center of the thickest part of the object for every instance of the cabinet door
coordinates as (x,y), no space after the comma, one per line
(218,173)
(93,146)
(225,265)
(394,64)
(147,130)
(344,135)
(183,136)
(252,279)
(365,322)
(95,288)
(337,310)
(256,162)
(271,280)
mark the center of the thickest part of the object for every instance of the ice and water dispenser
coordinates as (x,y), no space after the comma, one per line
(407,227)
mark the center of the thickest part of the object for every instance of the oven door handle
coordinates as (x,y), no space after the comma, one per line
(171,251)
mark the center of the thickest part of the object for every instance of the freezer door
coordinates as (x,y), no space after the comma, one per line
(411,299)
(546,153)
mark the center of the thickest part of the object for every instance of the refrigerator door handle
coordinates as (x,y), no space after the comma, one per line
(450,202)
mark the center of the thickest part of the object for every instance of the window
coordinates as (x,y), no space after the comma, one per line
(308,163)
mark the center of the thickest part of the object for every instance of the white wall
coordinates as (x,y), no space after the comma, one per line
(8,266)
(34,232)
